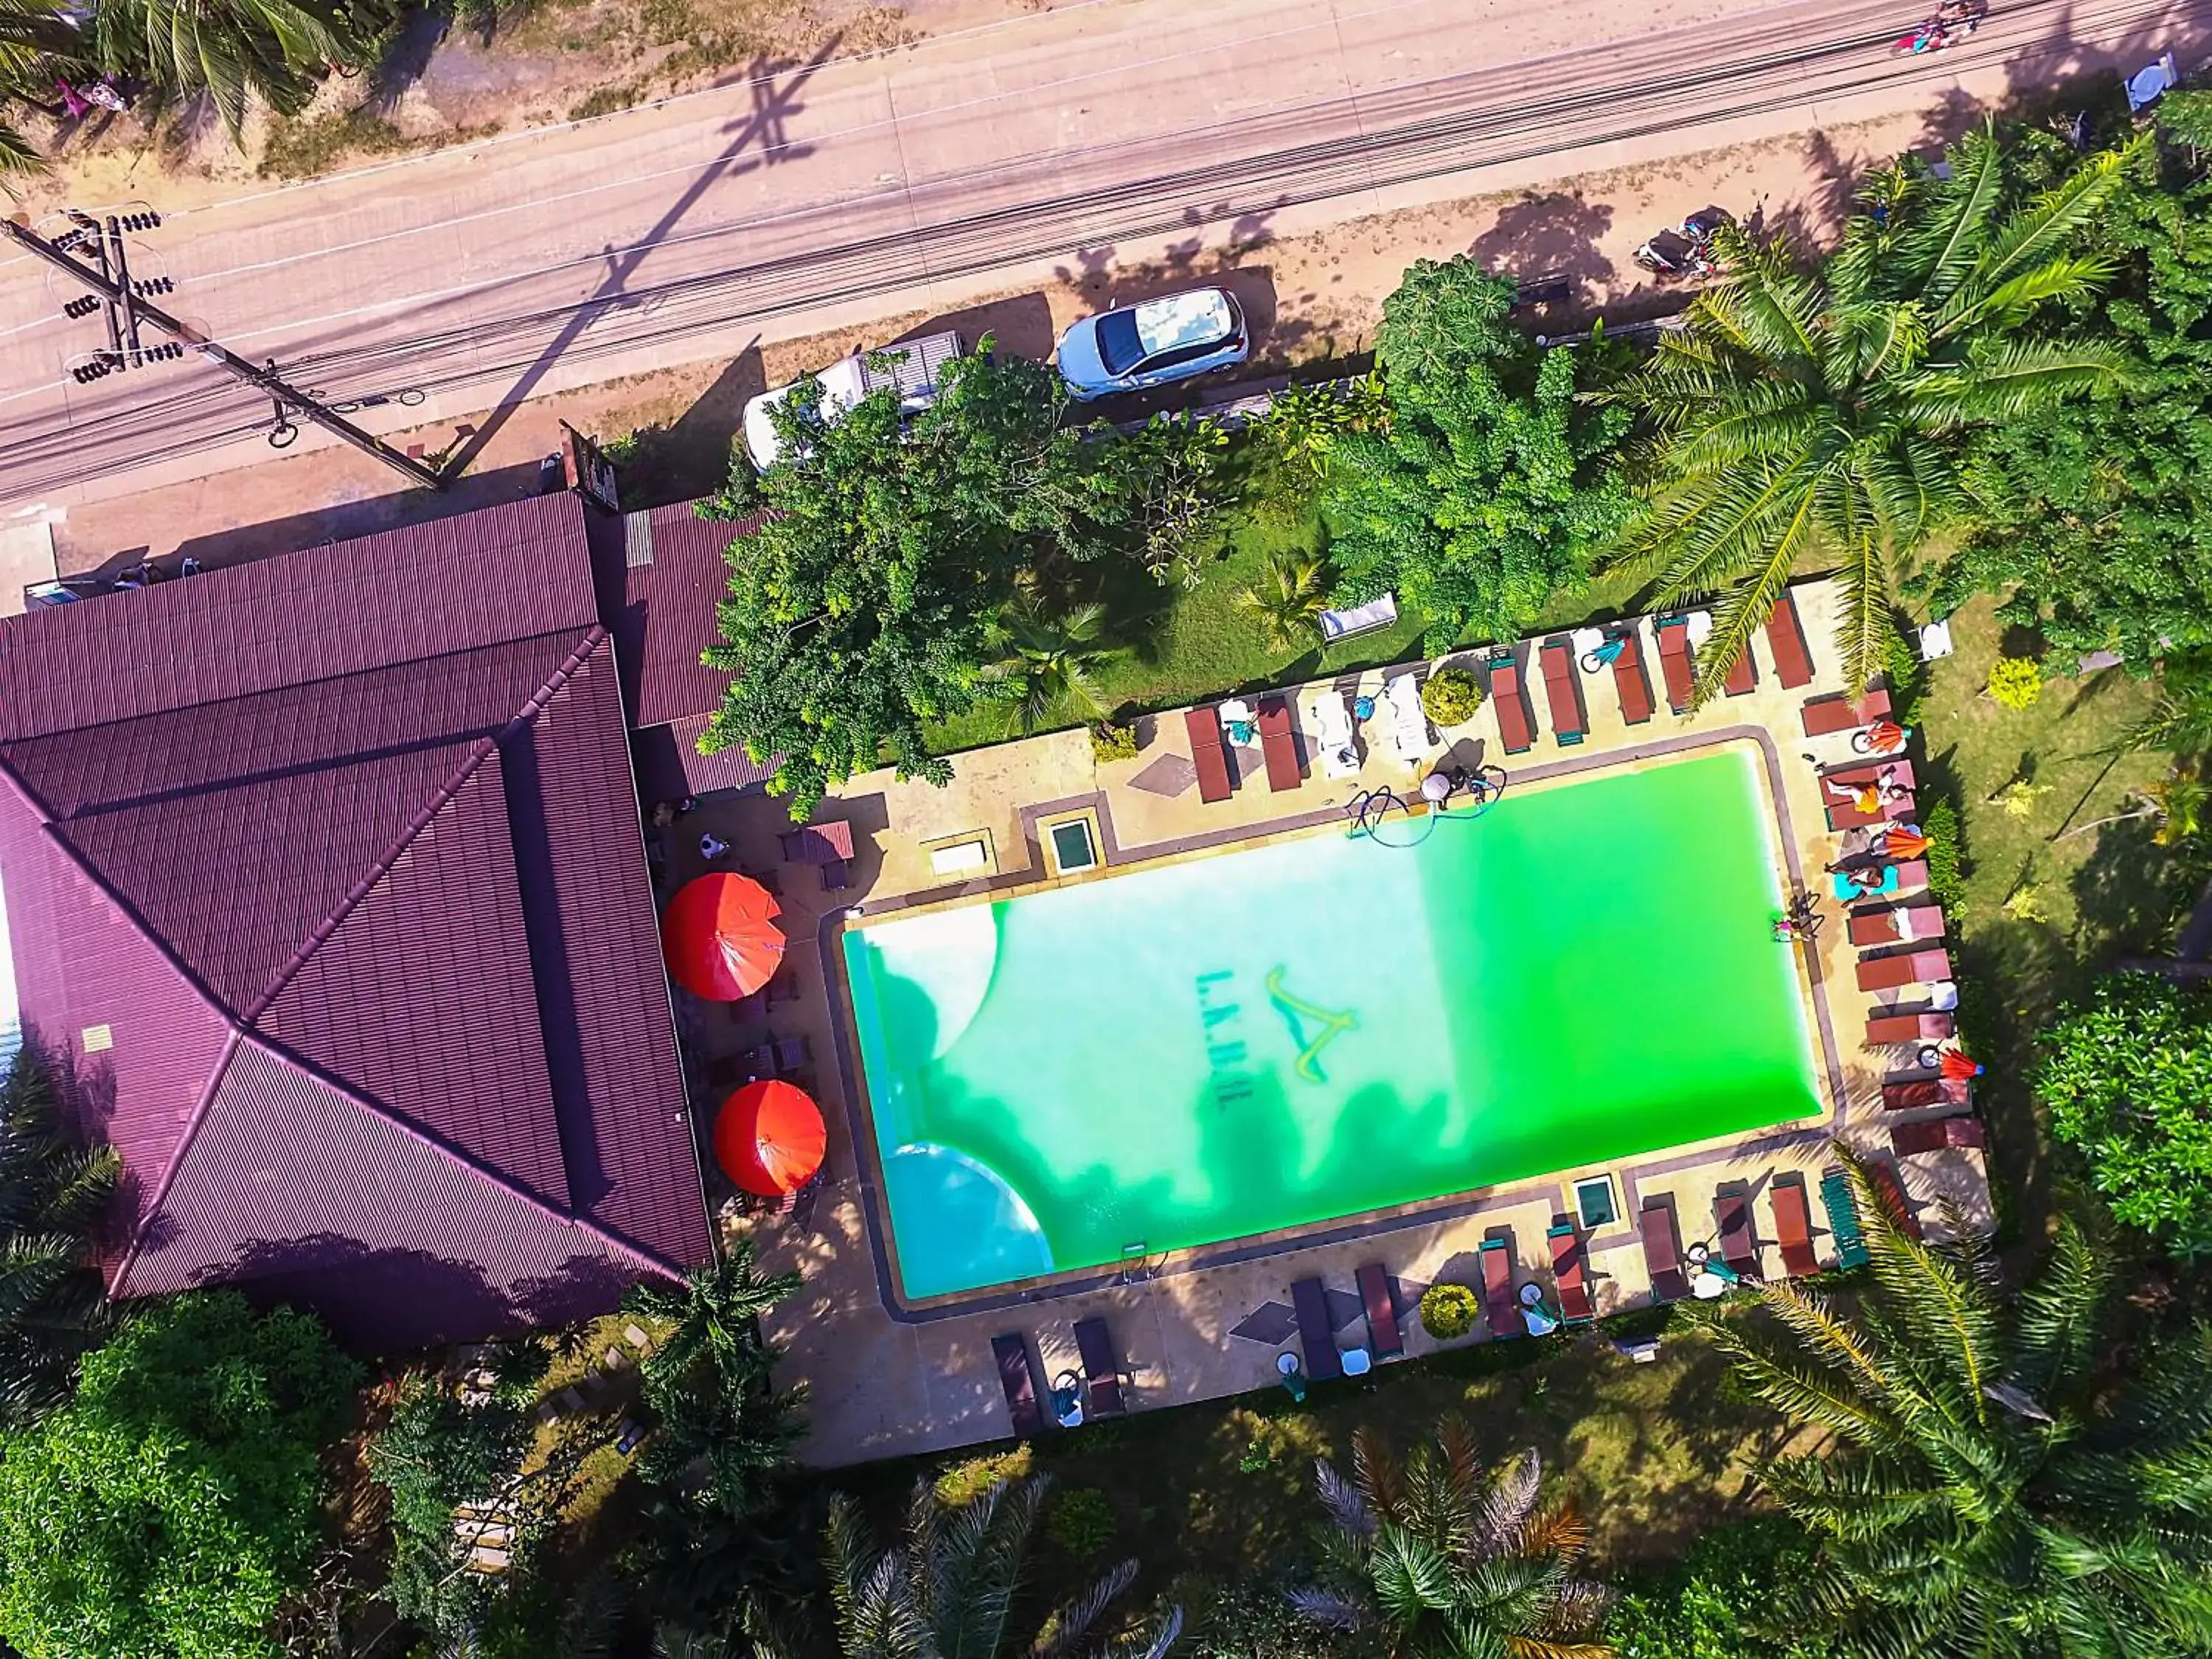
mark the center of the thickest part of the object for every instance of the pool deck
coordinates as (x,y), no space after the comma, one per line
(886,1382)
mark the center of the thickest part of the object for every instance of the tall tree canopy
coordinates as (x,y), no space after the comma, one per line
(1826,415)
(1996,1488)
(174,1504)
(231,50)
(1487,487)
(54,1195)
(861,611)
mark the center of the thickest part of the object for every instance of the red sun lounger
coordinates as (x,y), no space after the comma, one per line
(1743,678)
(1384,1340)
(1102,1371)
(1570,1271)
(1826,716)
(1925,1091)
(1499,1305)
(1900,926)
(1911,876)
(1276,744)
(1507,695)
(1909,1028)
(1739,1245)
(1316,1334)
(1906,968)
(1563,692)
(1793,1226)
(1785,637)
(1673,634)
(1208,755)
(1630,682)
(1017,1375)
(1890,1191)
(1899,770)
(1931,1135)
(1663,1251)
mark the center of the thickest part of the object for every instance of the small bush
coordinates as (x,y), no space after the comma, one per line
(969,1480)
(1448,1310)
(1716,1603)
(1907,675)
(1109,742)
(2015,682)
(1247,1619)
(1947,878)
(1080,1522)
(1451,696)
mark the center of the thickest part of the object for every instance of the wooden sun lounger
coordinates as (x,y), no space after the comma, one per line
(1843,1219)
(1208,755)
(1384,1339)
(1858,772)
(1516,730)
(1102,1371)
(1563,691)
(1926,1092)
(1570,1271)
(1905,968)
(1891,1191)
(1935,1135)
(1674,636)
(1276,744)
(1911,875)
(1900,925)
(1793,1226)
(1826,716)
(1739,1243)
(1910,1028)
(1317,1335)
(1846,814)
(1785,637)
(1017,1375)
(1499,1306)
(1630,683)
(1663,1251)
(1742,678)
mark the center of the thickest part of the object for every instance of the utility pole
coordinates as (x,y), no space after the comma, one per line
(108,277)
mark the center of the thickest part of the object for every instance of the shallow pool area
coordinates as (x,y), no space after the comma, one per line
(1205,1048)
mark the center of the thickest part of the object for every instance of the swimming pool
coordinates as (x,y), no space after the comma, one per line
(1202,1050)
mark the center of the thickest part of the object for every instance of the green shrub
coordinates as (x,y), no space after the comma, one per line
(1080,1522)
(1451,696)
(1246,1619)
(970,1479)
(1715,1602)
(2015,682)
(1109,742)
(1947,858)
(1907,676)
(1448,1310)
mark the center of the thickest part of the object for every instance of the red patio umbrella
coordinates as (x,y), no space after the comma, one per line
(720,938)
(769,1138)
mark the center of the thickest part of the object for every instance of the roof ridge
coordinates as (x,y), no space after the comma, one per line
(159,1191)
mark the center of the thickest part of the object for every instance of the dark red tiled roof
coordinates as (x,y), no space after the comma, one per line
(676,570)
(411,882)
(670,765)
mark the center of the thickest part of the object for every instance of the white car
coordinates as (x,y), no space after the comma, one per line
(912,368)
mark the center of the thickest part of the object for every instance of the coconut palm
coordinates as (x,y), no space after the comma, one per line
(233,50)
(1824,415)
(953,1587)
(53,1194)
(1290,597)
(1045,661)
(1995,1484)
(34,35)
(1443,1559)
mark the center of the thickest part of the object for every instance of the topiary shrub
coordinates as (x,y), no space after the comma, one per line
(1946,864)
(1451,696)
(970,1479)
(1109,742)
(1449,1311)
(2015,682)
(1080,1522)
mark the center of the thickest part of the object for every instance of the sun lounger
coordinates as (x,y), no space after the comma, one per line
(1891,1191)
(1909,1028)
(1793,1226)
(1339,746)
(1384,1340)
(1409,721)
(1673,633)
(1662,1250)
(1276,744)
(1933,1135)
(1925,1091)
(1563,691)
(1785,637)
(1843,1219)
(1570,1271)
(1017,1375)
(1742,676)
(1499,1305)
(1896,770)
(1630,683)
(1511,699)
(1316,1333)
(1102,1371)
(1208,755)
(1905,968)
(1739,1243)
(1899,926)
(1826,716)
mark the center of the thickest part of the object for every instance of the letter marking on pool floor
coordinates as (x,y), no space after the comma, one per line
(1295,1012)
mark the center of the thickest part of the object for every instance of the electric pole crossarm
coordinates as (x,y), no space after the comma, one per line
(124,303)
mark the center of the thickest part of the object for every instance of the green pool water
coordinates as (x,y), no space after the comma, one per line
(1201,1051)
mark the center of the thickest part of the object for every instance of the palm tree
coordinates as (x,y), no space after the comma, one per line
(1290,597)
(1800,415)
(1995,1486)
(33,34)
(1044,668)
(230,50)
(1448,1560)
(951,1586)
(54,1195)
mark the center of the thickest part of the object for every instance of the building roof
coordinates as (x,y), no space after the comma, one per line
(324,875)
(676,570)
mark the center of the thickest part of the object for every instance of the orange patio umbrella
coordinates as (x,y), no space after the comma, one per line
(769,1138)
(720,938)
(1904,840)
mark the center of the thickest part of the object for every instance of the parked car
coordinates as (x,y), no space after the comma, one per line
(912,368)
(1153,343)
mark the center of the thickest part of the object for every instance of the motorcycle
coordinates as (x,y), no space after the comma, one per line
(1954,21)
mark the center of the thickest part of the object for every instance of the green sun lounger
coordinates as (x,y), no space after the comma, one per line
(1842,1220)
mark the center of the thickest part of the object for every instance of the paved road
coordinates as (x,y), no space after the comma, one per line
(828,192)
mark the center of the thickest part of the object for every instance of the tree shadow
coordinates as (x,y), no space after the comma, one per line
(1556,234)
